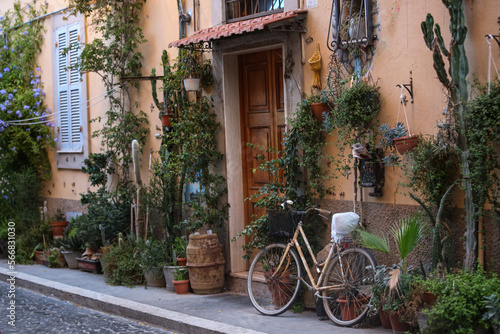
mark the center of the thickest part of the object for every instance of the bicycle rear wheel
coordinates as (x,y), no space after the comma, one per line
(348,304)
(273,292)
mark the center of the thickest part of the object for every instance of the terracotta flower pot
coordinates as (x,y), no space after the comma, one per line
(406,144)
(317,110)
(58,228)
(348,308)
(181,287)
(398,326)
(165,121)
(181,261)
(384,319)
(280,288)
(429,298)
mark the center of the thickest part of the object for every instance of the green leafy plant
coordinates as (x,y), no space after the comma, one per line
(492,314)
(112,55)
(352,119)
(180,245)
(70,242)
(153,254)
(432,179)
(25,127)
(455,81)
(108,209)
(406,234)
(388,134)
(180,274)
(461,301)
(123,264)
(55,258)
(188,154)
(301,154)
(379,286)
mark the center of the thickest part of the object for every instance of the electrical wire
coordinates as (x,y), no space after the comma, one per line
(23,121)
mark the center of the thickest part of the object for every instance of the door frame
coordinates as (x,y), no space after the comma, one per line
(227,107)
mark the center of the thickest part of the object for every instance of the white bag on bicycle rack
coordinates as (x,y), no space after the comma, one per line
(343,224)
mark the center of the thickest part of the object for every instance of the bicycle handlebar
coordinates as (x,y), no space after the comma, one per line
(323,213)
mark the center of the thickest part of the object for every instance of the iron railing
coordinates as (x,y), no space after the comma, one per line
(243,9)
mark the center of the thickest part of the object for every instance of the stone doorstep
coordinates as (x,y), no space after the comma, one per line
(156,316)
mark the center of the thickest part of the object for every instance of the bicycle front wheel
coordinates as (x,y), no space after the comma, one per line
(272,288)
(349,279)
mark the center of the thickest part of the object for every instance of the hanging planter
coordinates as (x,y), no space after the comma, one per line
(192,84)
(406,144)
(166,121)
(317,109)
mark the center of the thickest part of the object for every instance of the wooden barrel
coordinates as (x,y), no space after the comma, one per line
(205,262)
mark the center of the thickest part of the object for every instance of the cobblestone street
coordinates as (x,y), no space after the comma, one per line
(36,313)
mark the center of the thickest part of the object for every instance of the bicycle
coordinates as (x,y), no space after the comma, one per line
(275,275)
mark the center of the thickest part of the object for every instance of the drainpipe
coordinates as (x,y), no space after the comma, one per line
(183,17)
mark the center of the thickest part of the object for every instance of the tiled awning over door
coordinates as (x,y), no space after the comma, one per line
(241,27)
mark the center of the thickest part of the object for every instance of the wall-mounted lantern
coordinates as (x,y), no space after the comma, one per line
(350,24)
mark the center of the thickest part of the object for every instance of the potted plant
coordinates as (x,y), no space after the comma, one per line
(58,223)
(319,104)
(166,119)
(181,281)
(180,245)
(379,287)
(357,106)
(397,137)
(464,302)
(406,234)
(153,258)
(39,254)
(56,259)
(492,315)
(71,247)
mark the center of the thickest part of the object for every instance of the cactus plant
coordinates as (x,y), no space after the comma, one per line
(140,190)
(455,81)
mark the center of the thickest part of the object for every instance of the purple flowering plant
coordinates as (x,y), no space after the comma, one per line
(22,95)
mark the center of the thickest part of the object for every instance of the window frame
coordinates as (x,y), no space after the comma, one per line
(68,157)
(251,16)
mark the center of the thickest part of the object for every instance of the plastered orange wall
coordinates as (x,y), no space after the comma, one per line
(400,49)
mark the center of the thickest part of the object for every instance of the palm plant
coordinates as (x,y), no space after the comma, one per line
(397,287)
(406,234)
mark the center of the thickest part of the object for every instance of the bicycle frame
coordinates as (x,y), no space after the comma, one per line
(315,284)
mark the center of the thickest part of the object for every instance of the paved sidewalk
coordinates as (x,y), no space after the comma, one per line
(218,313)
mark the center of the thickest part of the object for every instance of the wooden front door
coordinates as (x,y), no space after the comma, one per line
(263,118)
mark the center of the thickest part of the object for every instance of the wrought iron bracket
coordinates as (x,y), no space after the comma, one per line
(409,88)
(495,37)
(204,46)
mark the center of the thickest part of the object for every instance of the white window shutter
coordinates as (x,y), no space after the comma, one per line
(69,89)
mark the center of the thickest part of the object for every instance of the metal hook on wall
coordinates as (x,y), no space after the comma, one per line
(409,88)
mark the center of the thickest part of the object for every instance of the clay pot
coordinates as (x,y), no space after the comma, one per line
(280,290)
(181,287)
(429,298)
(317,110)
(181,261)
(384,319)
(398,327)
(348,308)
(205,261)
(165,121)
(58,228)
(406,144)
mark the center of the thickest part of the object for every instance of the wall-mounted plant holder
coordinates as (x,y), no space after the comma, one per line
(409,88)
